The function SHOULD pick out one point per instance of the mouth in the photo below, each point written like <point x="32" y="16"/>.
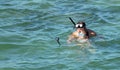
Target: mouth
<point x="80" y="29"/>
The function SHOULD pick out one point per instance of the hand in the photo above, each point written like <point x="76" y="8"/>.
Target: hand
<point x="68" y="41"/>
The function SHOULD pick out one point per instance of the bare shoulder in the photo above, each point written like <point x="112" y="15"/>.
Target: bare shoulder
<point x="74" y="34"/>
<point x="71" y="37"/>
<point x="91" y="32"/>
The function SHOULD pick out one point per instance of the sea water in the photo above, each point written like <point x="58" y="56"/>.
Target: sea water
<point x="28" y="29"/>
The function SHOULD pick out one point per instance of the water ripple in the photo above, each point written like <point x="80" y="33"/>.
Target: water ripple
<point x="29" y="28"/>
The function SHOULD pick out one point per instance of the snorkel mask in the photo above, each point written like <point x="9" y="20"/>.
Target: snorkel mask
<point x="80" y="25"/>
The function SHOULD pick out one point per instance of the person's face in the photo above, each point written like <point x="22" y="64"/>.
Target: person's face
<point x="80" y="29"/>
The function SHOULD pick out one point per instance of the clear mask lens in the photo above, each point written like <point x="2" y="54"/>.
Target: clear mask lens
<point x="79" y="25"/>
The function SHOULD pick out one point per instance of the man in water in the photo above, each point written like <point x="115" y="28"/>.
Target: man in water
<point x="82" y="34"/>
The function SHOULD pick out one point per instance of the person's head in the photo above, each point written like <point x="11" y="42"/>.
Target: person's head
<point x="80" y="25"/>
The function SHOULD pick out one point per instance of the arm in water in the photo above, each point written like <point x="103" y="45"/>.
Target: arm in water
<point x="58" y="40"/>
<point x="71" y="38"/>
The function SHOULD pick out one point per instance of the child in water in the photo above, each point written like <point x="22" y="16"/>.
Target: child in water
<point x="82" y="34"/>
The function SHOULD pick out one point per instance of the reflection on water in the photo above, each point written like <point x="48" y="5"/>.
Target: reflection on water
<point x="28" y="29"/>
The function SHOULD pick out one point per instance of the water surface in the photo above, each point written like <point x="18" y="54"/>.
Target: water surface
<point x="28" y="29"/>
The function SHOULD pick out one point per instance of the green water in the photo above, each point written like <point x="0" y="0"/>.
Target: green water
<point x="28" y="29"/>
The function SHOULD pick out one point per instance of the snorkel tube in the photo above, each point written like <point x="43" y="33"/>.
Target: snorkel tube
<point x="72" y="22"/>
